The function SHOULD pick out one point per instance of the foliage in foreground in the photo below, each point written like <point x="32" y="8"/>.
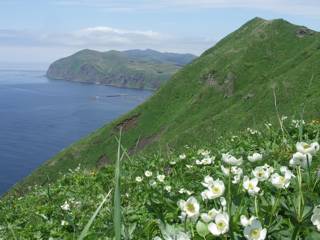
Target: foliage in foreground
<point x="256" y="185"/>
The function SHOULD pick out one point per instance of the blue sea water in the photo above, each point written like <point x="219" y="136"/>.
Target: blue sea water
<point x="40" y="117"/>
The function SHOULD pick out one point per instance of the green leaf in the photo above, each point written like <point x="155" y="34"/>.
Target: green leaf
<point x="202" y="229"/>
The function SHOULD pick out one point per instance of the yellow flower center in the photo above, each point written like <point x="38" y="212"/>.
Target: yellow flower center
<point x="251" y="186"/>
<point x="215" y="189"/>
<point x="255" y="233"/>
<point x="190" y="207"/>
<point x="221" y="225"/>
<point x="306" y="146"/>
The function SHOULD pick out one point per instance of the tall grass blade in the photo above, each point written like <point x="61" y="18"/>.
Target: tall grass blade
<point x="85" y="231"/>
<point x="117" y="203"/>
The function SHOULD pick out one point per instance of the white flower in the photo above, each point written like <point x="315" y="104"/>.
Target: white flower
<point x="64" y="223"/>
<point x="282" y="181"/>
<point x="315" y="218"/>
<point x="251" y="185"/>
<point x="300" y="159"/>
<point x="168" y="188"/>
<point x="261" y="173"/>
<point x="254" y="231"/>
<point x="65" y="206"/>
<point x="255" y="157"/>
<point x="215" y="188"/>
<point x="153" y="183"/>
<point x="161" y="177"/>
<point x="225" y="171"/>
<point x="148" y="173"/>
<point x="182" y="190"/>
<point x="207" y="160"/>
<point x="139" y="179"/>
<point x="229" y="159"/>
<point x="210" y="216"/>
<point x="182" y="156"/>
<point x="305" y="148"/>
<point x="173" y="163"/>
<point x="246" y="221"/>
<point x="189" y="166"/>
<point x="190" y="207"/>
<point x="220" y="225"/>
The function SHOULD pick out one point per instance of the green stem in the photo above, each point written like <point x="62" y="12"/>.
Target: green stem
<point x="295" y="232"/>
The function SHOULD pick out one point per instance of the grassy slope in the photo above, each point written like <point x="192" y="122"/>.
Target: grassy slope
<point x="38" y="215"/>
<point x="262" y="55"/>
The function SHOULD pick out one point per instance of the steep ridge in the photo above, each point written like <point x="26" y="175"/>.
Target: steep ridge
<point x="231" y="86"/>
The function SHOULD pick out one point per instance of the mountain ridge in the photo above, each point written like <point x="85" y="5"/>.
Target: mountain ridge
<point x="233" y="85"/>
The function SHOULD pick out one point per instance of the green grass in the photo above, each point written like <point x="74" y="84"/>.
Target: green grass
<point x="149" y="210"/>
<point x="264" y="57"/>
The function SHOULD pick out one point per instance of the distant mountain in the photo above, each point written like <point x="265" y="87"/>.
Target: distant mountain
<point x="144" y="69"/>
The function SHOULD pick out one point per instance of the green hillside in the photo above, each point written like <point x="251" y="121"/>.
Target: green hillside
<point x="230" y="87"/>
<point x="253" y="78"/>
<point x="146" y="69"/>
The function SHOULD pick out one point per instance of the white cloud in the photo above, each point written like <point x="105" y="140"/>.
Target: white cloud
<point x="291" y="7"/>
<point x="39" y="46"/>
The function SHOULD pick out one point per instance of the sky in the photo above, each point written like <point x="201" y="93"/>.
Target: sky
<point x="37" y="32"/>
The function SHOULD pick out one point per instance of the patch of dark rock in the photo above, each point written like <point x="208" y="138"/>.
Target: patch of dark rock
<point x="303" y="32"/>
<point x="103" y="161"/>
<point x="128" y="123"/>
<point x="144" y="142"/>
<point x="248" y="96"/>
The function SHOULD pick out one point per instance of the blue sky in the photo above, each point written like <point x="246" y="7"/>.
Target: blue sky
<point x="40" y="31"/>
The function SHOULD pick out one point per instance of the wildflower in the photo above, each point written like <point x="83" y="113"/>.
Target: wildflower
<point x="64" y="223"/>
<point x="189" y="166"/>
<point x="215" y="189"/>
<point x="182" y="156"/>
<point x="254" y="231"/>
<point x="300" y="159"/>
<point x="173" y="163"/>
<point x="306" y="148"/>
<point x="281" y="181"/>
<point x="203" y="152"/>
<point x="297" y="123"/>
<point x="255" y="157"/>
<point x="223" y="202"/>
<point x="225" y="171"/>
<point x="139" y="179"/>
<point x="315" y="218"/>
<point x="161" y="177"/>
<point x="229" y="159"/>
<point x="168" y="188"/>
<point x="190" y="208"/>
<point x="207" y="160"/>
<point x="148" y="173"/>
<point x="220" y="225"/>
<point x="182" y="190"/>
<point x="251" y="185"/>
<point x="153" y="183"/>
<point x="246" y="221"/>
<point x="261" y="173"/>
<point x="253" y="131"/>
<point x="65" y="206"/>
<point x="210" y="216"/>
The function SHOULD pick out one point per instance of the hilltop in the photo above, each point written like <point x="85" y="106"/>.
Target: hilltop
<point x="232" y="86"/>
<point x="143" y="69"/>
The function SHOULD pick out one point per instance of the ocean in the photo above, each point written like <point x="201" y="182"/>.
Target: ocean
<point x="40" y="117"/>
